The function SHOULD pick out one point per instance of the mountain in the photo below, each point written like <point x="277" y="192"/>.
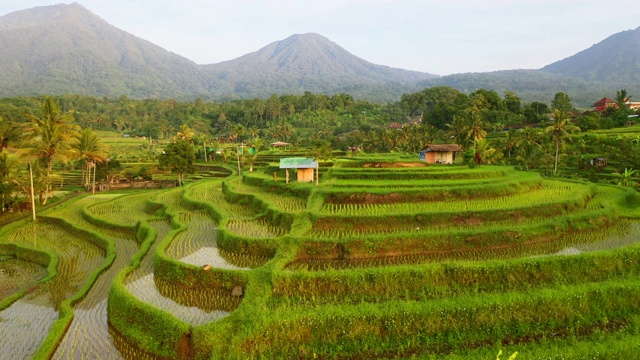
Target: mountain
<point x="68" y="49"/>
<point x="308" y="62"/>
<point x="614" y="60"/>
<point x="599" y="71"/>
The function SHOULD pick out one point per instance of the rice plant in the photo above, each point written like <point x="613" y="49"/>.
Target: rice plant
<point x="552" y="192"/>
<point x="256" y="228"/>
<point x="125" y="210"/>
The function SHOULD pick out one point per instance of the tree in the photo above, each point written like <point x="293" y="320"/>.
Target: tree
<point x="487" y="153"/>
<point x="185" y="133"/>
<point x="621" y="99"/>
<point x="49" y="138"/>
<point x="475" y="126"/>
<point x="559" y="131"/>
<point x="6" y="186"/>
<point x="458" y="130"/>
<point x="510" y="141"/>
<point x="179" y="156"/>
<point x="512" y="102"/>
<point x="9" y="133"/>
<point x="91" y="150"/>
<point x="562" y="102"/>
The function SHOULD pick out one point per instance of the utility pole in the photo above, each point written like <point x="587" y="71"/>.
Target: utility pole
<point x="238" y="155"/>
<point x="33" y="201"/>
<point x="93" y="191"/>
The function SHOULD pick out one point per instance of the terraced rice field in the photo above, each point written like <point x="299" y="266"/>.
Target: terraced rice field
<point x="78" y="259"/>
<point x="88" y="334"/>
<point x="426" y="262"/>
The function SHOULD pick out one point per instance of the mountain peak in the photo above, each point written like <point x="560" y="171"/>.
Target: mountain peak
<point x="41" y="15"/>
<point x="309" y="62"/>
<point x="614" y="59"/>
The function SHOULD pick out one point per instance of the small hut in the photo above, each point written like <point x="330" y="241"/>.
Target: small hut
<point x="304" y="166"/>
<point x="599" y="162"/>
<point x="440" y="153"/>
<point x="280" y="145"/>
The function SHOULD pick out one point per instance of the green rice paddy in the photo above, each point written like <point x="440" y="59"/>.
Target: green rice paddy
<point x="375" y="262"/>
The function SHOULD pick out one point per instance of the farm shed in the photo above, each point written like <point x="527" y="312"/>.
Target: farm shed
<point x="440" y="153"/>
<point x="599" y="162"/>
<point x="280" y="145"/>
<point x="304" y="166"/>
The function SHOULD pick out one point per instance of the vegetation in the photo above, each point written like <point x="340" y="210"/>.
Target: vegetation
<point x="400" y="257"/>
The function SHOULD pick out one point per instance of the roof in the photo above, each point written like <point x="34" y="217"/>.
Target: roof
<point x="442" y="148"/>
<point x="298" y="163"/>
<point x="280" y="143"/>
<point x="604" y="102"/>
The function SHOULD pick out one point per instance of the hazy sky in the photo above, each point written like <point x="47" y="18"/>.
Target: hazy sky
<point x="440" y="37"/>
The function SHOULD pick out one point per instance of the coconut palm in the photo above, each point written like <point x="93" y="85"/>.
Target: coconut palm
<point x="622" y="98"/>
<point x="487" y="153"/>
<point x="559" y="131"/>
<point x="9" y="133"/>
<point x="49" y="138"/>
<point x="89" y="148"/>
<point x="510" y="141"/>
<point x="185" y="133"/>
<point x="475" y="126"/>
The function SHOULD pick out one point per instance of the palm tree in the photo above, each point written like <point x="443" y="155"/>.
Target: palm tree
<point x="510" y="141"/>
<point x="531" y="157"/>
<point x="487" y="153"/>
<point x="49" y="138"/>
<point x="621" y="99"/>
<point x="9" y="133"/>
<point x="560" y="130"/>
<point x="458" y="130"/>
<point x="185" y="133"/>
<point x="475" y="126"/>
<point x="90" y="149"/>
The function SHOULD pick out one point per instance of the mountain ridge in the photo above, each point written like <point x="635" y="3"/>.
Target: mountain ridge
<point x="64" y="48"/>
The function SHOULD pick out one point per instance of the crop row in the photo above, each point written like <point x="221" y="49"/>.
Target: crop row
<point x="413" y="183"/>
<point x="211" y="192"/>
<point x="449" y="244"/>
<point x="285" y="203"/>
<point x="551" y="192"/>
<point x="408" y="328"/>
<point x="124" y="210"/>
<point x="420" y="173"/>
<point x="614" y="251"/>
<point x="255" y="228"/>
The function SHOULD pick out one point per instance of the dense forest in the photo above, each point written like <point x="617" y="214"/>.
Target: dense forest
<point x="305" y="119"/>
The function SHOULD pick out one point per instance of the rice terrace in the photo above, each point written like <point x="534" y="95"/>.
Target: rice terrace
<point x="381" y="259"/>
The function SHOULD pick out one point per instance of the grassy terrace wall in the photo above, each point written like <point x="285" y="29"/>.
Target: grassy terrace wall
<point x="151" y="329"/>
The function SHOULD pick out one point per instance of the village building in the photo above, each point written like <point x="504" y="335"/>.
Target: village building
<point x="604" y="103"/>
<point x="440" y="153"/>
<point x="304" y="166"/>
